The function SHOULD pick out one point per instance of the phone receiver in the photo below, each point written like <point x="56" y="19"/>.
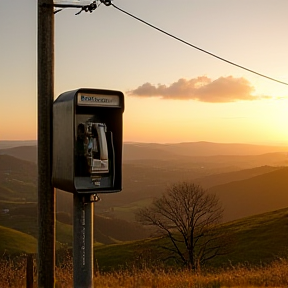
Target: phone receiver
<point x="105" y="165"/>
<point x="101" y="129"/>
<point x="111" y="153"/>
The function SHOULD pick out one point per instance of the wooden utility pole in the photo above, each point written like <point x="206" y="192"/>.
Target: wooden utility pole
<point x="46" y="193"/>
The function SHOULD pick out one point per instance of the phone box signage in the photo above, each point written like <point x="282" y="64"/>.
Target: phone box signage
<point x="98" y="100"/>
<point x="87" y="141"/>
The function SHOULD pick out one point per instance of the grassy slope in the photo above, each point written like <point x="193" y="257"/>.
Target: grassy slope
<point x="23" y="218"/>
<point x="18" y="180"/>
<point x="15" y="242"/>
<point x="257" y="239"/>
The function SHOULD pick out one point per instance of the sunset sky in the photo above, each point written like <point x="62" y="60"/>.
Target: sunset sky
<point x="173" y="92"/>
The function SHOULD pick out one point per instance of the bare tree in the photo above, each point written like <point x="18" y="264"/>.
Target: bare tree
<point x="190" y="218"/>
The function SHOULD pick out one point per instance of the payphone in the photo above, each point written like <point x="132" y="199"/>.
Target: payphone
<point x="87" y="141"/>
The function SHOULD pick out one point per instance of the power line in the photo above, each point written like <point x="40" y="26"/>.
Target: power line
<point x="193" y="46"/>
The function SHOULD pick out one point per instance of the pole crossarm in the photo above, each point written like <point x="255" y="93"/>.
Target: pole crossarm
<point x="87" y="8"/>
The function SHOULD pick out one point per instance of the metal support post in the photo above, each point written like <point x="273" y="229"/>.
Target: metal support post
<point x="82" y="242"/>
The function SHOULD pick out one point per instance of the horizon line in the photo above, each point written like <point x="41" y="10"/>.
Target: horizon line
<point x="175" y="143"/>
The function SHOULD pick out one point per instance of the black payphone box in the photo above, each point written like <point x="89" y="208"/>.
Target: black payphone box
<point x="87" y="141"/>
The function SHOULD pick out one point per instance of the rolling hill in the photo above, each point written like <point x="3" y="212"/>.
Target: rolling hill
<point x="133" y="151"/>
<point x="222" y="178"/>
<point x="143" y="185"/>
<point x="244" y="188"/>
<point x="16" y="242"/>
<point x="249" y="179"/>
<point x="254" y="195"/>
<point x="27" y="150"/>
<point x="6" y="144"/>
<point x="28" y="153"/>
<point x="258" y="240"/>
<point x="145" y="179"/>
<point x="23" y="218"/>
<point x="18" y="179"/>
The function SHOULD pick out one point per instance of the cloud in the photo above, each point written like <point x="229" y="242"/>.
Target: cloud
<point x="221" y="90"/>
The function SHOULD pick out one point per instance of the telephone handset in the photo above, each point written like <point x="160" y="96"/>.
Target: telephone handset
<point x="96" y="151"/>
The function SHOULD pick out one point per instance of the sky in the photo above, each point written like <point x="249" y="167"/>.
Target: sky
<point x="173" y="92"/>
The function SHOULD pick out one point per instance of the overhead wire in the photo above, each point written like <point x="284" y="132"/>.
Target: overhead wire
<point x="193" y="46"/>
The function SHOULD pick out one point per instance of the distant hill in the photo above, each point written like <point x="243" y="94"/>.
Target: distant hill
<point x="255" y="195"/>
<point x="28" y="153"/>
<point x="244" y="193"/>
<point x="145" y="177"/>
<point x="222" y="178"/>
<point x="12" y="166"/>
<point x="18" y="179"/>
<point x="4" y="144"/>
<point x="153" y="151"/>
<point x="134" y="151"/>
<point x="144" y="185"/>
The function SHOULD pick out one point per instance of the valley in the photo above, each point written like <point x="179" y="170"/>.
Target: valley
<point x="252" y="188"/>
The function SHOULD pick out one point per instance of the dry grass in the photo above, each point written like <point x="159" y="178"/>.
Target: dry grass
<point x="273" y="275"/>
<point x="12" y="272"/>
